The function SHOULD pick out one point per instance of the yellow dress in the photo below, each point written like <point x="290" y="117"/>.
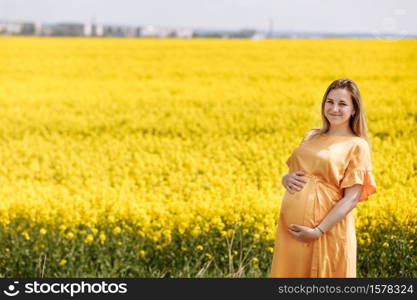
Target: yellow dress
<point x="331" y="163"/>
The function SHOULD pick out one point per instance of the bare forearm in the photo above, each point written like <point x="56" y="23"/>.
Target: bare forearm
<point x="337" y="213"/>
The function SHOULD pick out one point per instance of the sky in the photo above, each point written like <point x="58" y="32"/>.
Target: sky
<point x="328" y="16"/>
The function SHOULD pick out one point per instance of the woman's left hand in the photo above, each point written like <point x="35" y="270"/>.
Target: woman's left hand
<point x="304" y="233"/>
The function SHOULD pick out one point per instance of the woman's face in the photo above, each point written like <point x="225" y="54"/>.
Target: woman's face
<point x="338" y="106"/>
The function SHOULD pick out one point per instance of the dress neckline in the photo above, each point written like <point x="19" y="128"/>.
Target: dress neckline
<point x="340" y="136"/>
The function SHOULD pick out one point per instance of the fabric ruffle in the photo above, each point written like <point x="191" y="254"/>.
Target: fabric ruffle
<point x="360" y="176"/>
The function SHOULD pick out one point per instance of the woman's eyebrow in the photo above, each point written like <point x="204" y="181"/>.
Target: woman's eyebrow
<point x="339" y="101"/>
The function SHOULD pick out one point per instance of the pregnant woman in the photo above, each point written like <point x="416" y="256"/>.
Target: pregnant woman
<point x="329" y="173"/>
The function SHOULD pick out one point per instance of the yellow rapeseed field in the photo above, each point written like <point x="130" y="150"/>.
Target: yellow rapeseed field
<point x="129" y="157"/>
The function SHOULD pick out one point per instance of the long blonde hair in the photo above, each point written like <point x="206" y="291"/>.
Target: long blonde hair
<point x="357" y="123"/>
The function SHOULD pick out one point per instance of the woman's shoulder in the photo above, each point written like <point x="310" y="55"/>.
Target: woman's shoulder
<point x="311" y="134"/>
<point x="359" y="146"/>
<point x="361" y="142"/>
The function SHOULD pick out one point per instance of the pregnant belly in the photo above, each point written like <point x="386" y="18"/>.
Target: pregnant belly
<point x="295" y="206"/>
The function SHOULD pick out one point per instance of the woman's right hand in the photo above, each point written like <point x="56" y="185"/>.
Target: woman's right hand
<point x="294" y="182"/>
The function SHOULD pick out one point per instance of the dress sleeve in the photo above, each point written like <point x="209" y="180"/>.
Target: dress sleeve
<point x="359" y="171"/>
<point x="305" y="138"/>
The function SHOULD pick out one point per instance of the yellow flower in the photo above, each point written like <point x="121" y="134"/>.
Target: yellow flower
<point x="385" y="244"/>
<point x="196" y="231"/>
<point x="235" y="252"/>
<point x="142" y="253"/>
<point x="63" y="262"/>
<point x="69" y="235"/>
<point x="184" y="248"/>
<point x="102" y="237"/>
<point x="119" y="243"/>
<point x="26" y="235"/>
<point x="255" y="260"/>
<point x="208" y="255"/>
<point x="89" y="238"/>
<point x="199" y="247"/>
<point x="42" y="231"/>
<point x="270" y="249"/>
<point x="117" y="230"/>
